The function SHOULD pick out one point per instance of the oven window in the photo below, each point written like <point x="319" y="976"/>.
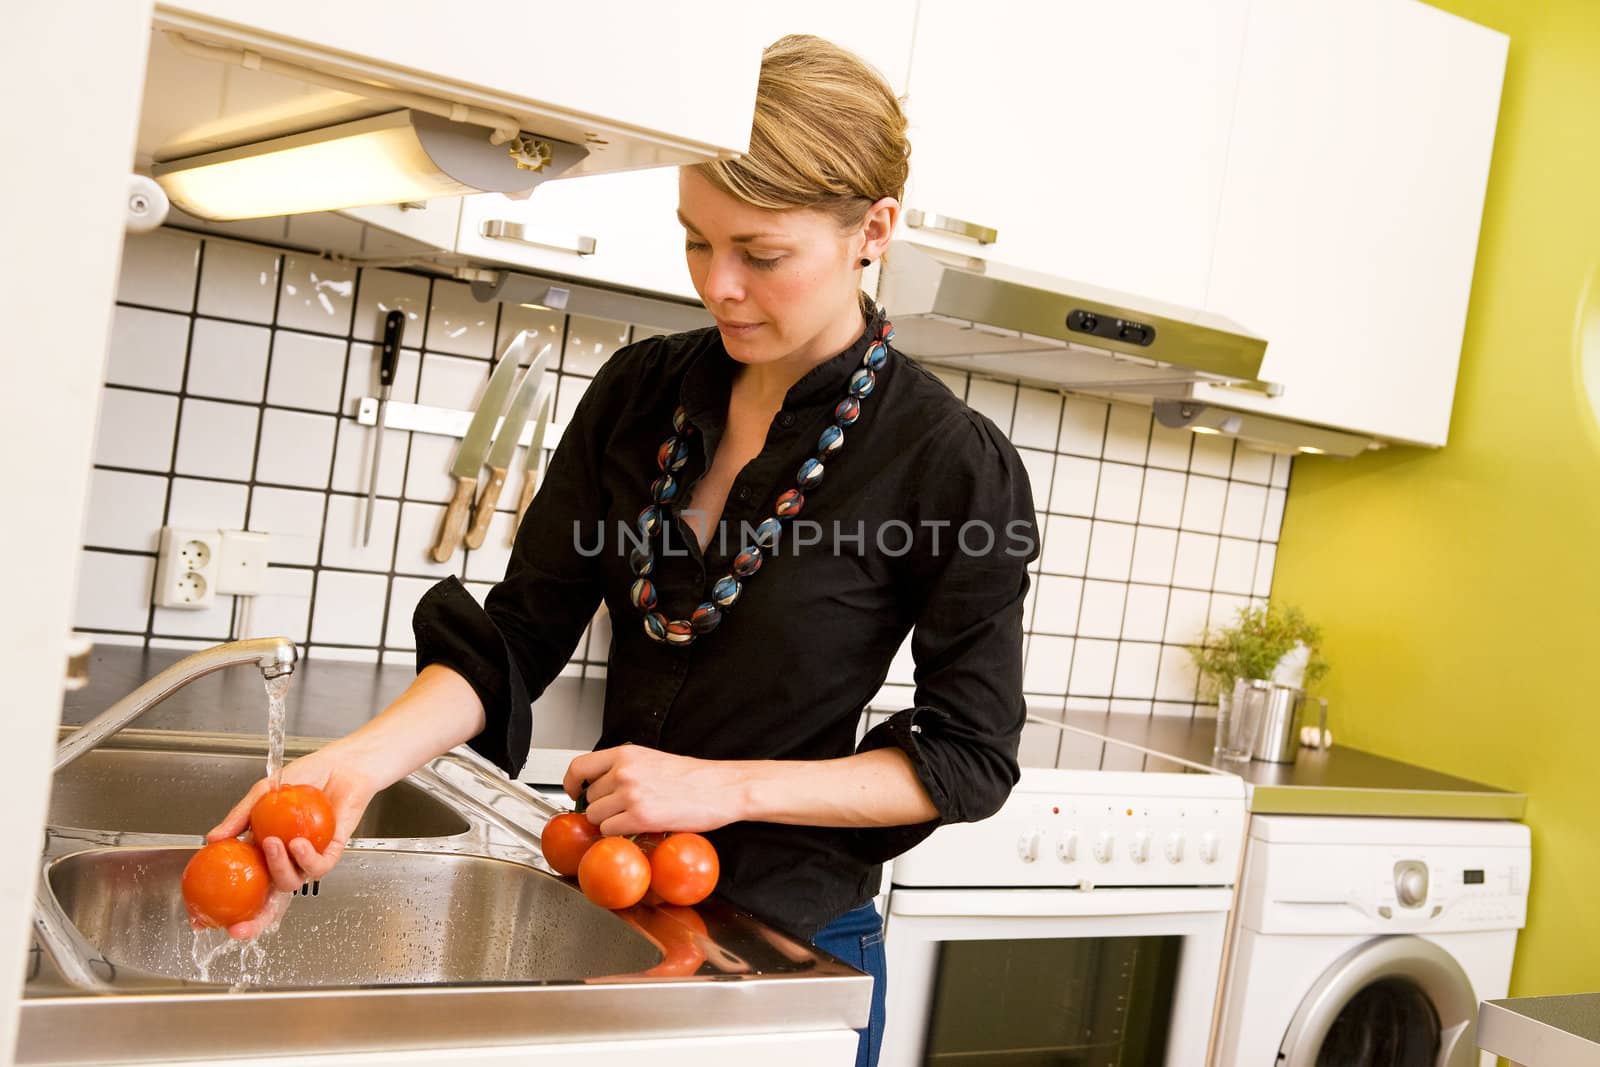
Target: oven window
<point x="1390" y="1023"/>
<point x="1053" y="1002"/>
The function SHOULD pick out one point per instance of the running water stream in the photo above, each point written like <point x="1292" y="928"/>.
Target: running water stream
<point x="210" y="948"/>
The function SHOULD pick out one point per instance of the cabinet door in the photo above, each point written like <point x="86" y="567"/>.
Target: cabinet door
<point x="1350" y="215"/>
<point x="879" y="32"/>
<point x="1091" y="135"/>
<point x="684" y="82"/>
<point x="630" y="218"/>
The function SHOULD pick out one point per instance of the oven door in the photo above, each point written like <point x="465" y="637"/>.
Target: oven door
<point x="1057" y="977"/>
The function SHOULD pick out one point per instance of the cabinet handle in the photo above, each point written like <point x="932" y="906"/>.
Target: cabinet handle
<point x="506" y="230"/>
<point x="984" y="235"/>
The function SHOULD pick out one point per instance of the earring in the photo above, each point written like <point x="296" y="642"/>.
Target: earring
<point x="865" y="262"/>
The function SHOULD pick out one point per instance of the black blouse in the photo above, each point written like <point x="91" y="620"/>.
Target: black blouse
<point x="924" y="519"/>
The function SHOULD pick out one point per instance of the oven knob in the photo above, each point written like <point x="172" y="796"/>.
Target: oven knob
<point x="1067" y="847"/>
<point x="1139" y="851"/>
<point x="1175" y="847"/>
<point x="1028" y="846"/>
<point x="1103" y="846"/>
<point x="1209" y="846"/>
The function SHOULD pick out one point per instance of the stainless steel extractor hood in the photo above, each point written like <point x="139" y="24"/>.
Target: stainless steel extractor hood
<point x="970" y="313"/>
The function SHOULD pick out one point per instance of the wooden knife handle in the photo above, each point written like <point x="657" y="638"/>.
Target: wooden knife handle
<point x="483" y="512"/>
<point x="455" y="520"/>
<point x="530" y="485"/>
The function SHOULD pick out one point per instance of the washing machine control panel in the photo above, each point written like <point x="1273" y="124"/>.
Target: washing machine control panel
<point x="1084" y="840"/>
<point x="1346" y="886"/>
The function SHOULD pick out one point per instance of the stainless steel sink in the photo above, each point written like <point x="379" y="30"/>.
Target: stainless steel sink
<point x="442" y="928"/>
<point x="381" y="918"/>
<point x="155" y="791"/>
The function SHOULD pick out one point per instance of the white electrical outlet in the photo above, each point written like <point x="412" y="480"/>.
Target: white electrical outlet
<point x="186" y="570"/>
<point x="242" y="563"/>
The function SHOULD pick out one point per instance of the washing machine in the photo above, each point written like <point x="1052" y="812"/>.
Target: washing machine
<point x="1370" y="942"/>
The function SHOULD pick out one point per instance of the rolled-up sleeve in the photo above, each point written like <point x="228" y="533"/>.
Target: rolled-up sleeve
<point x="510" y="649"/>
<point x="976" y="535"/>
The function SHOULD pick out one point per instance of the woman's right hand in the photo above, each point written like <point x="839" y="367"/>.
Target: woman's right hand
<point x="349" y="789"/>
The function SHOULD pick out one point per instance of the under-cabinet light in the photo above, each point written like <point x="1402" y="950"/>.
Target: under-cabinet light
<point x="386" y="159"/>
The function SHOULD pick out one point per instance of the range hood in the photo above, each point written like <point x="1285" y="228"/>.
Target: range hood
<point x="977" y="315"/>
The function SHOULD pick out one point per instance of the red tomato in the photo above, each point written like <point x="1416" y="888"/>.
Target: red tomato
<point x="565" y="839"/>
<point x="293" y="811"/>
<point x="614" y="873"/>
<point x="684" y="869"/>
<point x="226" y="882"/>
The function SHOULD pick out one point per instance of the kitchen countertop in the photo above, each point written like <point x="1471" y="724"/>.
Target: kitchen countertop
<point x="329" y="698"/>
<point x="1543" y="1031"/>
<point x="1336" y="781"/>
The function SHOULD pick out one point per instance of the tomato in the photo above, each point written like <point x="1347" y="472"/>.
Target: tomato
<point x="565" y="840"/>
<point x="293" y="811"/>
<point x="684" y="869"/>
<point x="226" y="882"/>
<point x="614" y="873"/>
<point x="647" y="842"/>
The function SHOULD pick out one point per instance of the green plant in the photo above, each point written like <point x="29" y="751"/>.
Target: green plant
<point x="1254" y="644"/>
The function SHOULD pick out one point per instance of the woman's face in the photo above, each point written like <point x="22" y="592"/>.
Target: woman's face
<point x="780" y="283"/>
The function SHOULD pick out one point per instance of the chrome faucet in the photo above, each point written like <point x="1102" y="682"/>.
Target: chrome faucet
<point x="275" y="656"/>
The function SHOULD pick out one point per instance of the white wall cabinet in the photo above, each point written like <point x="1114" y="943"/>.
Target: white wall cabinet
<point x="1349" y="220"/>
<point x="645" y="73"/>
<point x="1092" y="136"/>
<point x="631" y="217"/>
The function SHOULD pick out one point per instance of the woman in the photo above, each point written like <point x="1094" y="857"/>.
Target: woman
<point x="755" y="610"/>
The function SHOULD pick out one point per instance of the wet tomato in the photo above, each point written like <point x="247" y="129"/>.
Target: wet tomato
<point x="226" y="882"/>
<point x="614" y="873"/>
<point x="565" y="840"/>
<point x="293" y="811"/>
<point x="684" y="869"/>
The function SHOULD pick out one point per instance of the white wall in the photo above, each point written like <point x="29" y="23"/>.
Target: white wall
<point x="71" y="71"/>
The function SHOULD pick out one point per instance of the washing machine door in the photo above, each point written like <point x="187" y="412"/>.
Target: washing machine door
<point x="1390" y="1002"/>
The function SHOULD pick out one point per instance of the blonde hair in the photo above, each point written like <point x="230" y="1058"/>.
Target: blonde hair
<point x="829" y="134"/>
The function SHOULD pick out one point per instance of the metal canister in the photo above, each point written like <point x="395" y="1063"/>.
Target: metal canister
<point x="1278" y="738"/>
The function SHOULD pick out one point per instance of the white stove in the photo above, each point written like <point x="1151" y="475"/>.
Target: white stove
<point x="1084" y="921"/>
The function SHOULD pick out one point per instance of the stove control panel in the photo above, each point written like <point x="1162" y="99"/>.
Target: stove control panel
<point x="1086" y="839"/>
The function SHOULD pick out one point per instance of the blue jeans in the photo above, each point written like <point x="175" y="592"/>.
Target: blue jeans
<point x="856" y="937"/>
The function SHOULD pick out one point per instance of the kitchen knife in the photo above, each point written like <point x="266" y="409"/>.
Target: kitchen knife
<point x="505" y="443"/>
<point x="474" y="446"/>
<point x="394" y="326"/>
<point x="533" y="468"/>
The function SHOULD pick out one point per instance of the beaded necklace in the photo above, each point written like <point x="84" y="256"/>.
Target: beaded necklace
<point x="670" y="458"/>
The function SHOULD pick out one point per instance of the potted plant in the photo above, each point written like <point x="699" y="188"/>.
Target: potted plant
<point x="1252" y="648"/>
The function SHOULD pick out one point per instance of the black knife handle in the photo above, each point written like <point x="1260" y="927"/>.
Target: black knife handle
<point x="394" y="327"/>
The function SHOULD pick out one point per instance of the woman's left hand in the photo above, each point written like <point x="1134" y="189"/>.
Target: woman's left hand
<point x="636" y="790"/>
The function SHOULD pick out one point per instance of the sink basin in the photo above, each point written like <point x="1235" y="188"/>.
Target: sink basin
<point x="150" y="791"/>
<point x="381" y="918"/>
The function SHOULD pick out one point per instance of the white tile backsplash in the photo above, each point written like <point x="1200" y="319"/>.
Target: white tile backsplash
<point x="318" y="296"/>
<point x="147" y="348"/>
<point x="159" y="269"/>
<point x="239" y="281"/>
<point x="135" y="430"/>
<point x="228" y="360"/>
<point x="307" y="371"/>
<point x="217" y="440"/>
<point x="203" y="503"/>
<point x="296" y="448"/>
<point x="458" y="323"/>
<point x="1083" y="427"/>
<point x="236" y="412"/>
<point x="124" y="510"/>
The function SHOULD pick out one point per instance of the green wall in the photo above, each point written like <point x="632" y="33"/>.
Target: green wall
<point x="1460" y="588"/>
